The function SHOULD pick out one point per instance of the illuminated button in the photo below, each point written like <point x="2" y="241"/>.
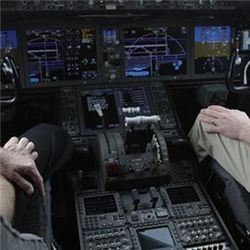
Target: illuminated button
<point x="218" y="234"/>
<point x="205" y="231"/>
<point x="203" y="237"/>
<point x="206" y="221"/>
<point x="183" y="224"/>
<point x="211" y="220"/>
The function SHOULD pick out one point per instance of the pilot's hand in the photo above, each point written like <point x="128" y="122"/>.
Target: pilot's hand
<point x="228" y="122"/>
<point x="18" y="165"/>
<point x="22" y="146"/>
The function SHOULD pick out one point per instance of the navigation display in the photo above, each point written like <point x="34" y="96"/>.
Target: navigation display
<point x="155" y="51"/>
<point x="61" y="55"/>
<point x="155" y="238"/>
<point x="212" y="49"/>
<point x="8" y="39"/>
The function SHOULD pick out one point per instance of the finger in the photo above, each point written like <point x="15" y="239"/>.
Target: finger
<point x="22" y="183"/>
<point x="10" y="142"/>
<point x="211" y="113"/>
<point x="23" y="142"/>
<point x="34" y="155"/>
<point x="218" y="108"/>
<point x="208" y="119"/>
<point x="36" y="178"/>
<point x="30" y="147"/>
<point x="212" y="129"/>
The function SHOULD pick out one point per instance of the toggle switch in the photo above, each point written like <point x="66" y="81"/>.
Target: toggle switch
<point x="154" y="196"/>
<point x="136" y="198"/>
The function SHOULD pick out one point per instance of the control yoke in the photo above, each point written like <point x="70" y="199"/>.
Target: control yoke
<point x="236" y="60"/>
<point x="9" y="81"/>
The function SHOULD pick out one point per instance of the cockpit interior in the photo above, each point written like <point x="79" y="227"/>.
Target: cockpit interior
<point x="126" y="80"/>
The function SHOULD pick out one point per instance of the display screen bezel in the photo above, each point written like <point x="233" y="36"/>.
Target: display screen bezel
<point x="157" y="228"/>
<point x="208" y="76"/>
<point x="154" y="26"/>
<point x="57" y="25"/>
<point x="182" y="192"/>
<point x="190" y="77"/>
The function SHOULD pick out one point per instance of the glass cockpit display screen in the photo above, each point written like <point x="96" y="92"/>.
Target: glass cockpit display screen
<point x="182" y="195"/>
<point x="100" y="205"/>
<point x="155" y="238"/>
<point x="8" y="39"/>
<point x="106" y="99"/>
<point x="212" y="48"/>
<point x="155" y="51"/>
<point x="115" y="103"/>
<point x="61" y="54"/>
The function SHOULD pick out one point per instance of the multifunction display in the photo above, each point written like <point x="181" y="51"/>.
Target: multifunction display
<point x="106" y="101"/>
<point x="61" y="54"/>
<point x="183" y="195"/>
<point x="8" y="39"/>
<point x="115" y="104"/>
<point x="212" y="49"/>
<point x="100" y="205"/>
<point x="155" y="238"/>
<point x="155" y="51"/>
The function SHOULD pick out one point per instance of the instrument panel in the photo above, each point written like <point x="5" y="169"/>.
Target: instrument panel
<point x="92" y="54"/>
<point x="79" y="115"/>
<point x="146" y="219"/>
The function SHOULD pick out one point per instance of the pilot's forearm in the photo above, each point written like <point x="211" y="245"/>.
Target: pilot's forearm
<point x="7" y="199"/>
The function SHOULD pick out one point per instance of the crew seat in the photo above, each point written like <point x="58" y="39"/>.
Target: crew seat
<point x="231" y="198"/>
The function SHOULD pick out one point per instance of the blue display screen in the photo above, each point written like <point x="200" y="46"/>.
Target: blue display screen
<point x="8" y="39"/>
<point x="212" y="48"/>
<point x="155" y="238"/>
<point x="61" y="54"/>
<point x="213" y="34"/>
<point x="155" y="51"/>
